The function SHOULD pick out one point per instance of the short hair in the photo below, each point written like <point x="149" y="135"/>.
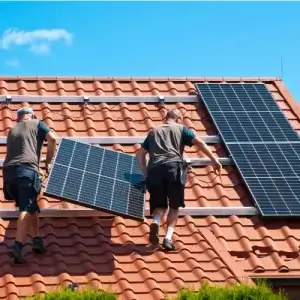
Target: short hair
<point x="24" y="110"/>
<point x="174" y="114"/>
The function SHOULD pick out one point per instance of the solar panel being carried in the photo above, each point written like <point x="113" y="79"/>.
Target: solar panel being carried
<point x="261" y="141"/>
<point x="97" y="178"/>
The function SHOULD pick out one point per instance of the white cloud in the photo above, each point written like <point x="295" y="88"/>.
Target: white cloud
<point x="40" y="48"/>
<point x="15" y="63"/>
<point x="38" y="41"/>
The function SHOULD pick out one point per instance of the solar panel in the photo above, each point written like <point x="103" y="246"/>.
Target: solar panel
<point x="97" y="178"/>
<point x="267" y="160"/>
<point x="246" y="113"/>
<point x="261" y="142"/>
<point x="272" y="174"/>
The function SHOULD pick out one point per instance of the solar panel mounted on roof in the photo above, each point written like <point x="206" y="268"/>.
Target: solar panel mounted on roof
<point x="97" y="178"/>
<point x="261" y="141"/>
<point x="246" y="113"/>
<point x="272" y="174"/>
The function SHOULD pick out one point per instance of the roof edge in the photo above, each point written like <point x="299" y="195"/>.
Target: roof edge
<point x="162" y="78"/>
<point x="295" y="107"/>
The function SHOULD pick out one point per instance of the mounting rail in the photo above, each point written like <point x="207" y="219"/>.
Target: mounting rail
<point x="195" y="162"/>
<point x="85" y="212"/>
<point x="98" y="99"/>
<point x="123" y="140"/>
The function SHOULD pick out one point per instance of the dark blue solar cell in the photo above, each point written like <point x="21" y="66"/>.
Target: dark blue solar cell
<point x="292" y="155"/>
<point x="56" y="180"/>
<point x="120" y="197"/>
<point x="214" y="97"/>
<point x="80" y="156"/>
<point x="88" y="188"/>
<point x="95" y="160"/>
<point x="136" y="200"/>
<point x="124" y="167"/>
<point x="294" y="186"/>
<point x="280" y="121"/>
<point x="72" y="185"/>
<point x="267" y="197"/>
<point x="110" y="161"/>
<point x="64" y="152"/>
<point x="104" y="193"/>
<point x="263" y="97"/>
<point x="233" y="100"/>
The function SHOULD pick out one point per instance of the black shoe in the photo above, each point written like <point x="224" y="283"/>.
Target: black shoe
<point x="153" y="235"/>
<point x="16" y="253"/>
<point x="168" y="245"/>
<point x="38" y="246"/>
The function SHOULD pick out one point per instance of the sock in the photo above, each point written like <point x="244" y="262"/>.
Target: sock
<point x="170" y="231"/>
<point x="19" y="245"/>
<point x="156" y="219"/>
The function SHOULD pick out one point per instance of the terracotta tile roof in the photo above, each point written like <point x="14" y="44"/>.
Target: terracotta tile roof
<point x="114" y="252"/>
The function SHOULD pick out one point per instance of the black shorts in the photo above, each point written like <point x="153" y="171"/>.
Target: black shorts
<point x="165" y="184"/>
<point x="23" y="186"/>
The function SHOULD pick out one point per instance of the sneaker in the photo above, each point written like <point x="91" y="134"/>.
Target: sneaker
<point x="16" y="253"/>
<point x="153" y="235"/>
<point x="168" y="245"/>
<point x="38" y="246"/>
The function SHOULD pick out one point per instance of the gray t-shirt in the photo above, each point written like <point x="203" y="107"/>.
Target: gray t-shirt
<point x="24" y="143"/>
<point x="165" y="143"/>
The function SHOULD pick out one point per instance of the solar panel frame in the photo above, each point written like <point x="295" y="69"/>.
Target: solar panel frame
<point x="266" y="208"/>
<point x="88" y="172"/>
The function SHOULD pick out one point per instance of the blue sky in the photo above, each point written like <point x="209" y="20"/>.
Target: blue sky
<point x="151" y="39"/>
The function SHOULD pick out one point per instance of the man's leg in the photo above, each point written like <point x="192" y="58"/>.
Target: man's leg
<point x="28" y="222"/>
<point x="158" y="214"/>
<point x="158" y="202"/>
<point x="37" y="243"/>
<point x="171" y="224"/>
<point x="22" y="228"/>
<point x="175" y="192"/>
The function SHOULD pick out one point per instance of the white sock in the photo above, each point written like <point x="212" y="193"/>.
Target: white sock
<point x="156" y="219"/>
<point x="170" y="231"/>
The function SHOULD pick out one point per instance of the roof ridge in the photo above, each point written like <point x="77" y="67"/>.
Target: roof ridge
<point x="139" y="78"/>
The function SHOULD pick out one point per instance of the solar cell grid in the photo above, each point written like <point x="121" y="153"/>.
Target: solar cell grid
<point x="267" y="160"/>
<point x="237" y="97"/>
<point x="98" y="178"/>
<point x="278" y="196"/>
<point x="253" y="127"/>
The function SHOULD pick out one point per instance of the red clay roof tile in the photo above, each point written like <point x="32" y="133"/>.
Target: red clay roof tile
<point x="114" y="253"/>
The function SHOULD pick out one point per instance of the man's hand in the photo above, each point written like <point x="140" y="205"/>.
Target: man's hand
<point x="217" y="166"/>
<point x="47" y="165"/>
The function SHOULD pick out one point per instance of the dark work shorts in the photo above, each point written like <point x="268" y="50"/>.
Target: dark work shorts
<point x="22" y="185"/>
<point x="166" y="184"/>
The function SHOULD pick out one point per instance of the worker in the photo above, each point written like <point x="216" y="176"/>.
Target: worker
<point x="165" y="173"/>
<point x="22" y="179"/>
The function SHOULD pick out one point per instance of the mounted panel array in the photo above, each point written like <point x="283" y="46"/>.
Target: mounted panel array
<point x="261" y="141"/>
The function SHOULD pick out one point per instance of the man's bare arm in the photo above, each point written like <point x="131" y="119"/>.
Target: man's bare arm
<point x="141" y="158"/>
<point x="51" y="146"/>
<point x="204" y="148"/>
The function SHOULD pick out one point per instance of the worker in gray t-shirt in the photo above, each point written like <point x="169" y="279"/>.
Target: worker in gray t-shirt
<point x="21" y="176"/>
<point x="165" y="173"/>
